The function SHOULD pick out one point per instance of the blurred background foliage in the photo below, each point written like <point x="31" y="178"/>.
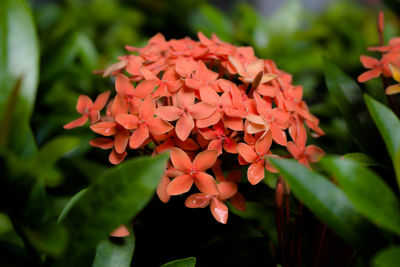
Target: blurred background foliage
<point x="77" y="37"/>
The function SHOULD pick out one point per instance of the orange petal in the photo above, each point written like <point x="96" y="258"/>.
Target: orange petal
<point x="237" y="65"/>
<point x="147" y="108"/>
<point x="208" y="95"/>
<point x="233" y="123"/>
<point x="294" y="149"/>
<point x="278" y="134"/>
<point x="101" y="101"/>
<point x="255" y="119"/>
<point x="183" y="66"/>
<point x="180" y="185"/>
<point x="168" y="113"/>
<point x="84" y="104"/>
<point x="256" y="128"/>
<point x="123" y="85"/>
<point x="128" y="121"/>
<point x="219" y="210"/>
<point x="158" y="126"/>
<point x="216" y="144"/>
<point x="206" y="183"/>
<point x="201" y="110"/>
<point x="280" y="115"/>
<point x="369" y="62"/>
<point x="145" y="88"/>
<point x="205" y="160"/>
<point x="76" y="123"/>
<point x="116" y="158"/>
<point x="255" y="172"/>
<point x="368" y="75"/>
<point x="121" y="140"/>
<point x="266" y="90"/>
<point x="162" y="189"/>
<point x="115" y="67"/>
<point x="238" y="202"/>
<point x="230" y="145"/>
<point x="391" y="90"/>
<point x="139" y="136"/>
<point x="264" y="144"/>
<point x="180" y="160"/>
<point x="103" y="143"/>
<point x="211" y="120"/>
<point x="184" y="126"/>
<point x="119" y="106"/>
<point x="120" y="231"/>
<point x="227" y="189"/>
<point x="198" y="200"/>
<point x="314" y="153"/>
<point x="106" y="128"/>
<point x="185" y="98"/>
<point x="246" y="152"/>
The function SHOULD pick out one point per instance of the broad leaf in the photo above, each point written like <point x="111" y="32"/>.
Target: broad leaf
<point x="362" y="159"/>
<point x="115" y="252"/>
<point x="389" y="257"/>
<point x="367" y="191"/>
<point x="53" y="150"/>
<point x="188" y="262"/>
<point x="323" y="198"/>
<point x="112" y="200"/>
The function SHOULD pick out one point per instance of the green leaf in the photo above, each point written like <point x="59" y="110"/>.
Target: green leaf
<point x="19" y="58"/>
<point x="115" y="252"/>
<point x="70" y="204"/>
<point x="366" y="190"/>
<point x="386" y="122"/>
<point x="188" y="262"/>
<point x="56" y="148"/>
<point x="113" y="199"/>
<point x="323" y="198"/>
<point x="389" y="257"/>
<point x="347" y="94"/>
<point x="362" y="159"/>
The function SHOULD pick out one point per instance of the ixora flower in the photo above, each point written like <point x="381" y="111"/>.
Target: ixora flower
<point x="206" y="102"/>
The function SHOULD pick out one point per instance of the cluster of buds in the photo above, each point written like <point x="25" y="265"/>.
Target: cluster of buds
<point x="389" y="63"/>
<point x="214" y="106"/>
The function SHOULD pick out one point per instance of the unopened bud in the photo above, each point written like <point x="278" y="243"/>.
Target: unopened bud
<point x="381" y="22"/>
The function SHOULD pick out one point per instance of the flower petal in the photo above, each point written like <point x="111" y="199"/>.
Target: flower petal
<point x="278" y="134"/>
<point x="206" y="183"/>
<point x="246" y="152"/>
<point x="211" y="120"/>
<point x="198" y="200"/>
<point x="369" y="62"/>
<point x="103" y="143"/>
<point x="139" y="136"/>
<point x="201" y="110"/>
<point x="391" y="90"/>
<point x="121" y="139"/>
<point x="101" y="101"/>
<point x="227" y="189"/>
<point x="84" y="104"/>
<point x="314" y="153"/>
<point x="368" y="75"/>
<point x="158" y="126"/>
<point x="185" y="98"/>
<point x="147" y="108"/>
<point x="219" y="210"/>
<point x="294" y="149"/>
<point x="106" y="128"/>
<point x="123" y="85"/>
<point x="168" y="113"/>
<point x="128" y="121"/>
<point x="180" y="185"/>
<point x="162" y="189"/>
<point x="116" y="158"/>
<point x="208" y="95"/>
<point x="118" y="106"/>
<point x="120" y="232"/>
<point x="145" y="88"/>
<point x="255" y="172"/>
<point x="184" y="126"/>
<point x="264" y="144"/>
<point x="180" y="160"/>
<point x="205" y="160"/>
<point x="76" y="123"/>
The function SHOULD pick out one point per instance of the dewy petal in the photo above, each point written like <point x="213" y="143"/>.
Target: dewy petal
<point x="219" y="210"/>
<point x="184" y="127"/>
<point x="116" y="158"/>
<point x="198" y="200"/>
<point x="138" y="137"/>
<point x="101" y="101"/>
<point x="314" y="153"/>
<point x="180" y="160"/>
<point x="121" y="139"/>
<point x="84" y="104"/>
<point x="255" y="172"/>
<point x="158" y="126"/>
<point x="76" y="123"/>
<point x="368" y="75"/>
<point x="162" y="189"/>
<point x="205" y="160"/>
<point x="201" y="110"/>
<point x="145" y="88"/>
<point x="106" y="128"/>
<point x="278" y="134"/>
<point x="180" y="185"/>
<point x="227" y="189"/>
<point x="123" y="85"/>
<point x="206" y="183"/>
<point x="246" y="152"/>
<point x="147" y="108"/>
<point x="168" y="113"/>
<point x="391" y="90"/>
<point x="128" y="121"/>
<point x="103" y="143"/>
<point x="120" y="232"/>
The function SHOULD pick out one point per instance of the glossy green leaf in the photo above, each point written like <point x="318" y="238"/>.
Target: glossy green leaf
<point x="115" y="252"/>
<point x="323" y="198"/>
<point x="188" y="262"/>
<point x="387" y="122"/>
<point x="389" y="257"/>
<point x="367" y="191"/>
<point x="113" y="199"/>
<point x="70" y="204"/>
<point x="56" y="148"/>
<point x="346" y="94"/>
<point x="362" y="159"/>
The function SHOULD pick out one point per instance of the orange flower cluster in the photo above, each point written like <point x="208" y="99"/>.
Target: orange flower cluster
<point x="207" y="102"/>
